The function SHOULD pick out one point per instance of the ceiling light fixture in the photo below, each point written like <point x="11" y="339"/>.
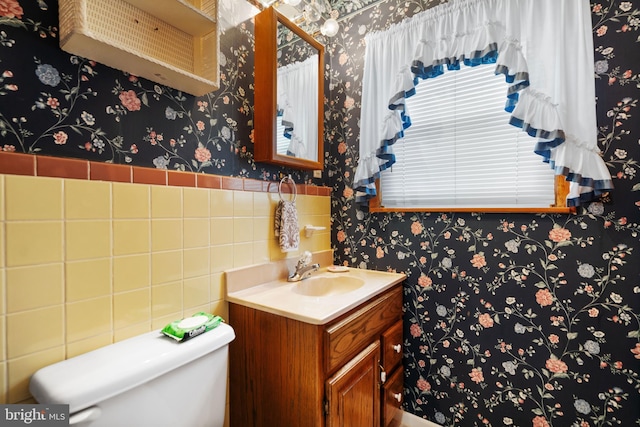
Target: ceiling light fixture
<point x="308" y="14"/>
<point x="330" y="27"/>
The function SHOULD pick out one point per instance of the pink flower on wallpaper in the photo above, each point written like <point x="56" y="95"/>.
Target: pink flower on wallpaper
<point x="349" y="102"/>
<point x="544" y="297"/>
<point x="425" y="281"/>
<point x="130" y="100"/>
<point x="476" y="375"/>
<point x="478" y="261"/>
<point x="636" y="351"/>
<point x="423" y="385"/>
<point x="416" y="228"/>
<point x="347" y="192"/>
<point x="53" y="102"/>
<point x="540" y="421"/>
<point x="341" y="236"/>
<point x="60" y="137"/>
<point x="415" y="330"/>
<point x="485" y="320"/>
<point x="11" y="9"/>
<point x="601" y="31"/>
<point x="200" y="125"/>
<point x="556" y="366"/>
<point x="379" y="252"/>
<point x="202" y="154"/>
<point x="342" y="148"/>
<point x="559" y="234"/>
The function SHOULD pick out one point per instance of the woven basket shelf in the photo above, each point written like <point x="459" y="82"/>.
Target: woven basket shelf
<point x="171" y="42"/>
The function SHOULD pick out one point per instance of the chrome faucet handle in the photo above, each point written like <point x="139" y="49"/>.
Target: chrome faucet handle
<point x="304" y="260"/>
<point x="302" y="272"/>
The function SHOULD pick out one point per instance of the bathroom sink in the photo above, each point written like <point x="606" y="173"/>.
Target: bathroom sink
<point x="321" y="286"/>
<point x="324" y="296"/>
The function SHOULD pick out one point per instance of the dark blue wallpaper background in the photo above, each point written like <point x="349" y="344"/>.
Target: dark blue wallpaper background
<point x="510" y="319"/>
<point x="58" y="104"/>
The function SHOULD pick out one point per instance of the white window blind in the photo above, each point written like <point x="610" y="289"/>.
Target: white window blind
<point x="460" y="150"/>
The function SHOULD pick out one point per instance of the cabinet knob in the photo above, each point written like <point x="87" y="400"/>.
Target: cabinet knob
<point x="397" y="348"/>
<point x="398" y="397"/>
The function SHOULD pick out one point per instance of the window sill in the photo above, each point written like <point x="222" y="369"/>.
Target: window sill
<point x="549" y="210"/>
<point x="561" y="192"/>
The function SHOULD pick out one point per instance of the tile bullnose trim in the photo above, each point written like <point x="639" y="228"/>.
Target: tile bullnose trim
<point x="13" y="163"/>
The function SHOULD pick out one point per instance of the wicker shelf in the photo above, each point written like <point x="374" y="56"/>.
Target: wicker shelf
<point x="192" y="17"/>
<point x="175" y="45"/>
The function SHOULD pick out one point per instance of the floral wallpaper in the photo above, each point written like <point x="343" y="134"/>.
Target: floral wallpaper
<point x="510" y="319"/>
<point x="58" y="104"/>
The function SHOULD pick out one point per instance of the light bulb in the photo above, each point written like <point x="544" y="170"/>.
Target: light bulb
<point x="292" y="2"/>
<point x="312" y="12"/>
<point x="330" y="27"/>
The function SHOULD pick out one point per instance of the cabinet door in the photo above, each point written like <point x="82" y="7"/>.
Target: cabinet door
<point x="353" y="393"/>
<point x="392" y="399"/>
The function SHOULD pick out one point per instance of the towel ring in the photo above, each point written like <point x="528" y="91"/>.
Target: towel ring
<point x="293" y="184"/>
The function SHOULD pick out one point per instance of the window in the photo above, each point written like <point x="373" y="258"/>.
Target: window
<point x="460" y="150"/>
<point x="548" y="68"/>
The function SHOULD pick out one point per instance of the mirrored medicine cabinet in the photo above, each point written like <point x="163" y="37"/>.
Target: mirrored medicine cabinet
<point x="289" y="94"/>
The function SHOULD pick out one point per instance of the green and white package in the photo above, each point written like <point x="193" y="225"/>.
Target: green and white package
<point x="189" y="327"/>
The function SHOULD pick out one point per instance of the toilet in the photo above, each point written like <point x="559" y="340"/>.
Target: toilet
<point x="148" y="380"/>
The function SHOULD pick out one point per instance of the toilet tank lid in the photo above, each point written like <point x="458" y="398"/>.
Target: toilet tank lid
<point x="95" y="376"/>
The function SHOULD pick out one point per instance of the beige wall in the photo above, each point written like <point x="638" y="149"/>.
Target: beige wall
<point x="87" y="263"/>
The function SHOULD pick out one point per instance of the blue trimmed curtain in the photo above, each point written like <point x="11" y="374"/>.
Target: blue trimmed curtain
<point x="544" y="49"/>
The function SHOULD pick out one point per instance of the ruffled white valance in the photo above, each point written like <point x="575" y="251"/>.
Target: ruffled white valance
<point x="544" y="48"/>
<point x="299" y="110"/>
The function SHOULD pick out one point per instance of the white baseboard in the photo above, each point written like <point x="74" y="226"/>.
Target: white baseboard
<point x="410" y="420"/>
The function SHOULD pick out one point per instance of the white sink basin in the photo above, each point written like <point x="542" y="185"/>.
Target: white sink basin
<point x="323" y="286"/>
<point x="318" y="299"/>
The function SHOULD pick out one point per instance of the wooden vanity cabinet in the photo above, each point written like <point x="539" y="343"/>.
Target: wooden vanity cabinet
<point x="284" y="372"/>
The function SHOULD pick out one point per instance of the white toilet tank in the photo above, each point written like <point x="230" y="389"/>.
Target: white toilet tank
<point x="148" y="380"/>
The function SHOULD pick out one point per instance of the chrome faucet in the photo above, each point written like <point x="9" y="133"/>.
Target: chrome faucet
<point x="304" y="268"/>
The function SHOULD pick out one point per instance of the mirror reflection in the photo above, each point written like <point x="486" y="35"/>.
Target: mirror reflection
<point x="297" y="105"/>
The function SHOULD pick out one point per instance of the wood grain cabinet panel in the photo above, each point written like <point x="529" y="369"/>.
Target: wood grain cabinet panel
<point x="284" y="372"/>
<point x="392" y="347"/>
<point x="348" y="336"/>
<point x="352" y="391"/>
<point x="392" y="399"/>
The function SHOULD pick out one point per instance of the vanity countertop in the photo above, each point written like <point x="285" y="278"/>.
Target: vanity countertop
<point x="292" y="299"/>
